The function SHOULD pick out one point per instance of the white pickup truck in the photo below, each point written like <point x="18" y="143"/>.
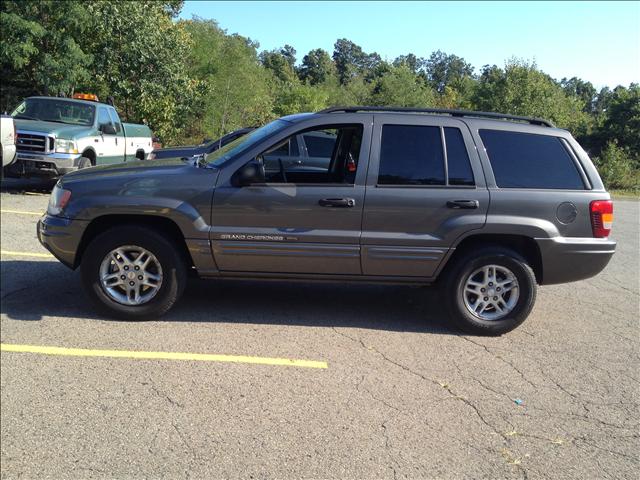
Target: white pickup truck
<point x="59" y="135"/>
<point x="7" y="140"/>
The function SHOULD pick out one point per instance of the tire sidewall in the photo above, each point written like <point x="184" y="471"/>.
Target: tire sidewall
<point x="174" y="272"/>
<point x="526" y="285"/>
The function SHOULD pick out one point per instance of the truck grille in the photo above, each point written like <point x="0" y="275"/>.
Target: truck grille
<point x="30" y="142"/>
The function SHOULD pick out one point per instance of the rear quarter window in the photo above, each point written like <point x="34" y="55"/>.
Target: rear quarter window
<point x="525" y="160"/>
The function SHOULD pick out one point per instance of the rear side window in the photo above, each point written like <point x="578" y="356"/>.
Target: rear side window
<point x="458" y="165"/>
<point x="525" y="160"/>
<point x="411" y="155"/>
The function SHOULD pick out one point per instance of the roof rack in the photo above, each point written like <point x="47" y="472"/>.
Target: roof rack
<point x="442" y="111"/>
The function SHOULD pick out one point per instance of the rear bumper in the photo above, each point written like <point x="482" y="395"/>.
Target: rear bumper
<point x="571" y="259"/>
<point x="61" y="236"/>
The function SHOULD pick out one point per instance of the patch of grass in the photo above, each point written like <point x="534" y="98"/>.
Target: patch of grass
<point x="625" y="193"/>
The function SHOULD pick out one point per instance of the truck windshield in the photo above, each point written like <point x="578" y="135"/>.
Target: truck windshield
<point x="245" y="142"/>
<point x="56" y="110"/>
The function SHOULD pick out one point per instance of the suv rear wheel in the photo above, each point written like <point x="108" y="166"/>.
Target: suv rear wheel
<point x="133" y="273"/>
<point x="490" y="291"/>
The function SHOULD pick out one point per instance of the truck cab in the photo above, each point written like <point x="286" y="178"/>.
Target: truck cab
<point x="59" y="135"/>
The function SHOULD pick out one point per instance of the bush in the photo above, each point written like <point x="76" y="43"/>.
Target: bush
<point x="618" y="169"/>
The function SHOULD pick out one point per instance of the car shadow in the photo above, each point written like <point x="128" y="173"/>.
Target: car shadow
<point x="32" y="290"/>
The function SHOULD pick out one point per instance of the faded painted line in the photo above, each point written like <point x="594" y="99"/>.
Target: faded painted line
<point x="196" y="357"/>
<point x="26" y="254"/>
<point x="22" y="212"/>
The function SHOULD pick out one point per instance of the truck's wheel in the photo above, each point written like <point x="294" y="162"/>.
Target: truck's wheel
<point x="84" y="162"/>
<point x="133" y="273"/>
<point x="489" y="291"/>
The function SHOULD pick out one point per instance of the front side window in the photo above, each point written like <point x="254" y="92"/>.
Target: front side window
<point x="411" y="155"/>
<point x="332" y="155"/>
<point x="115" y="119"/>
<point x="103" y="118"/>
<point x="525" y="160"/>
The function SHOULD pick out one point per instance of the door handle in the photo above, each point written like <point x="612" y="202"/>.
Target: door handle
<point x="337" y="202"/>
<point x="459" y="204"/>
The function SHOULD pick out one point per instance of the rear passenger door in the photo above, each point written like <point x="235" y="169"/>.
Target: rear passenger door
<point x="425" y="188"/>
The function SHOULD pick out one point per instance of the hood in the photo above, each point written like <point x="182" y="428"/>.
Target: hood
<point x="179" y="152"/>
<point x="146" y="168"/>
<point x="60" y="130"/>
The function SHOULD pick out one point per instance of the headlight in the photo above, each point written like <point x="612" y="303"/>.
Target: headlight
<point x="58" y="200"/>
<point x="66" y="146"/>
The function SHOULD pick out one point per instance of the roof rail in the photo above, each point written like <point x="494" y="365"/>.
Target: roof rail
<point x="442" y="111"/>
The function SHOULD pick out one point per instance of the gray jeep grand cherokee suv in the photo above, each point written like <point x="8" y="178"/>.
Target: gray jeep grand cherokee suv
<point x="487" y="205"/>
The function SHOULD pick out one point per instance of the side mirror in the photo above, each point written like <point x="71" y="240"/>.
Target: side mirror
<point x="249" y="174"/>
<point x="108" y="129"/>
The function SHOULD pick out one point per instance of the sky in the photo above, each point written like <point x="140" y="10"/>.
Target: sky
<point x="595" y="41"/>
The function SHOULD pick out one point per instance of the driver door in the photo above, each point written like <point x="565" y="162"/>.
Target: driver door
<point x="296" y="221"/>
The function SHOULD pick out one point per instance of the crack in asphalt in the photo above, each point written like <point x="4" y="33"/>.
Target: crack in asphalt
<point x="446" y="387"/>
<point x="388" y="448"/>
<point x="614" y="452"/>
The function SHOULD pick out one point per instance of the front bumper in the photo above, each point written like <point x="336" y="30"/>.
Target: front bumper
<point x="571" y="259"/>
<point x="61" y="236"/>
<point x="49" y="165"/>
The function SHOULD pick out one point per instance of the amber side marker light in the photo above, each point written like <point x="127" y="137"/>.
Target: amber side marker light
<point x="601" y="217"/>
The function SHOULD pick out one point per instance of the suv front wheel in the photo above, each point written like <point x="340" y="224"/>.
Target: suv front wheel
<point x="133" y="273"/>
<point x="490" y="291"/>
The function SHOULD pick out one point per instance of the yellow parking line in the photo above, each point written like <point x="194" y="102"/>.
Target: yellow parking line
<point x="21" y="212"/>
<point x="26" y="254"/>
<point x="197" y="357"/>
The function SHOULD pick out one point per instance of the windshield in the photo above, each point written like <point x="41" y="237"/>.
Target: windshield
<point x="56" y="110"/>
<point x="245" y="142"/>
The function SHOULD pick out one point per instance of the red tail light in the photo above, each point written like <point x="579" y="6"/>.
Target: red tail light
<point x="601" y="217"/>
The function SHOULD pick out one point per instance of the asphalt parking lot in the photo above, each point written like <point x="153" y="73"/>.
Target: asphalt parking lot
<point x="398" y="394"/>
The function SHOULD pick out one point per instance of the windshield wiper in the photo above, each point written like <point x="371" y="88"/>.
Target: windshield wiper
<point x="58" y="121"/>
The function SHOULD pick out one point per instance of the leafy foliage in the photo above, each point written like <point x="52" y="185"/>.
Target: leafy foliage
<point x="618" y="167"/>
<point x="191" y="80"/>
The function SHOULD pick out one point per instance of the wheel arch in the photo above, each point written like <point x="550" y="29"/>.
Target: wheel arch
<point x="90" y="153"/>
<point x="162" y="225"/>
<point x="525" y="246"/>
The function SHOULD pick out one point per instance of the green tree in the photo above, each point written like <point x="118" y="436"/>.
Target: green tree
<point x="443" y="70"/>
<point x="521" y="89"/>
<point x="316" y="67"/>
<point x="40" y="51"/>
<point x="280" y="64"/>
<point x="140" y="59"/>
<point x="618" y="167"/>
<point x="623" y="118"/>
<point x="585" y="91"/>
<point x="349" y="60"/>
<point x="402" y="88"/>
<point x="415" y="64"/>
<point x="240" y="91"/>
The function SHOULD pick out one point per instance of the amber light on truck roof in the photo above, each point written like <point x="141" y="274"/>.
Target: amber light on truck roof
<point x="86" y="96"/>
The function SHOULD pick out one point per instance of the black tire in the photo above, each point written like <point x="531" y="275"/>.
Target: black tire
<point x="84" y="162"/>
<point x="167" y="253"/>
<point x="454" y="284"/>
